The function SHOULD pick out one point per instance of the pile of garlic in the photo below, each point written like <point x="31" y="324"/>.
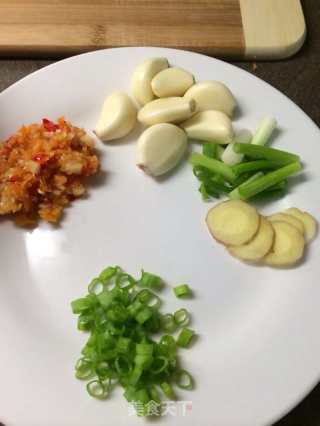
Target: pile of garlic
<point x="174" y="108"/>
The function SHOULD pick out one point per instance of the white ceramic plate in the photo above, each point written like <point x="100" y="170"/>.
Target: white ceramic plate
<point x="259" y="347"/>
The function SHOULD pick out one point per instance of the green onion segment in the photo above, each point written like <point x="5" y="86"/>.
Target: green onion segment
<point x="249" y="189"/>
<point x="215" y="166"/>
<point x="262" y="167"/>
<point x="265" y="153"/>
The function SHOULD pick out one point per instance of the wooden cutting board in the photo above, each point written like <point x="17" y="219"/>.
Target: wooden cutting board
<point x="230" y="28"/>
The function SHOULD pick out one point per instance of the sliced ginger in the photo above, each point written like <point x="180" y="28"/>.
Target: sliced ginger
<point x="233" y="222"/>
<point x="277" y="240"/>
<point x="258" y="247"/>
<point x="292" y="220"/>
<point x="309" y="222"/>
<point x="288" y="246"/>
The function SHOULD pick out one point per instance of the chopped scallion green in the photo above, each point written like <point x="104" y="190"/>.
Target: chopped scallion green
<point x="168" y="323"/>
<point x="182" y="290"/>
<point x="121" y="314"/>
<point x="185" y="337"/>
<point x="184" y="380"/>
<point x="167" y="390"/>
<point x="97" y="389"/>
<point x="181" y="317"/>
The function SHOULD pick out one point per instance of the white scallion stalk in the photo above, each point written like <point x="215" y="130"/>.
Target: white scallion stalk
<point x="229" y="156"/>
<point x="264" y="131"/>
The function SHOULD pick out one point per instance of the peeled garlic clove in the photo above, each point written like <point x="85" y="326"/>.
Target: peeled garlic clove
<point x="212" y="95"/>
<point x="167" y="110"/>
<point x="211" y="126"/>
<point x="171" y="82"/>
<point x="160" y="148"/>
<point x="117" y="118"/>
<point x="142" y="77"/>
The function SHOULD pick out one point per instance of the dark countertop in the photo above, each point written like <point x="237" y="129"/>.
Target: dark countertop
<point x="299" y="79"/>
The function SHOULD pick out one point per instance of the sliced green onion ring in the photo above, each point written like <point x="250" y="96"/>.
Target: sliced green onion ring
<point x="97" y="389"/>
<point x="148" y="298"/>
<point x="83" y="369"/>
<point x="85" y="322"/>
<point x="122" y="365"/>
<point x="144" y="296"/>
<point x="103" y="370"/>
<point x="80" y="305"/>
<point x="101" y="320"/>
<point x="167" y="340"/>
<point x="116" y="330"/>
<point x="168" y="323"/>
<point x="143" y="315"/>
<point x="181" y="317"/>
<point x="144" y="348"/>
<point x="108" y="273"/>
<point x="149" y="280"/>
<point x="124" y="344"/>
<point x="184" y="380"/>
<point x="96" y="286"/>
<point x="159" y="364"/>
<point x="125" y="281"/>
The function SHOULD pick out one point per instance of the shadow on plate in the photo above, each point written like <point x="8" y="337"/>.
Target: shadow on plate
<point x="132" y="137"/>
<point x="182" y="163"/>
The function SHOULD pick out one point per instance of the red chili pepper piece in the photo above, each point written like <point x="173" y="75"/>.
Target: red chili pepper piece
<point x="13" y="178"/>
<point x="40" y="157"/>
<point x="49" y="125"/>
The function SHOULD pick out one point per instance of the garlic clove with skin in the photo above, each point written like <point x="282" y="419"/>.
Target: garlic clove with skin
<point x="210" y="126"/>
<point x="142" y="77"/>
<point x="117" y="118"/>
<point x="212" y="95"/>
<point x="160" y="148"/>
<point x="167" y="110"/>
<point x="171" y="82"/>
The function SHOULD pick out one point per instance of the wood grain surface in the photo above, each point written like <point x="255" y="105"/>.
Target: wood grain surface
<point x="229" y="28"/>
<point x="299" y="79"/>
<point x="64" y="27"/>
